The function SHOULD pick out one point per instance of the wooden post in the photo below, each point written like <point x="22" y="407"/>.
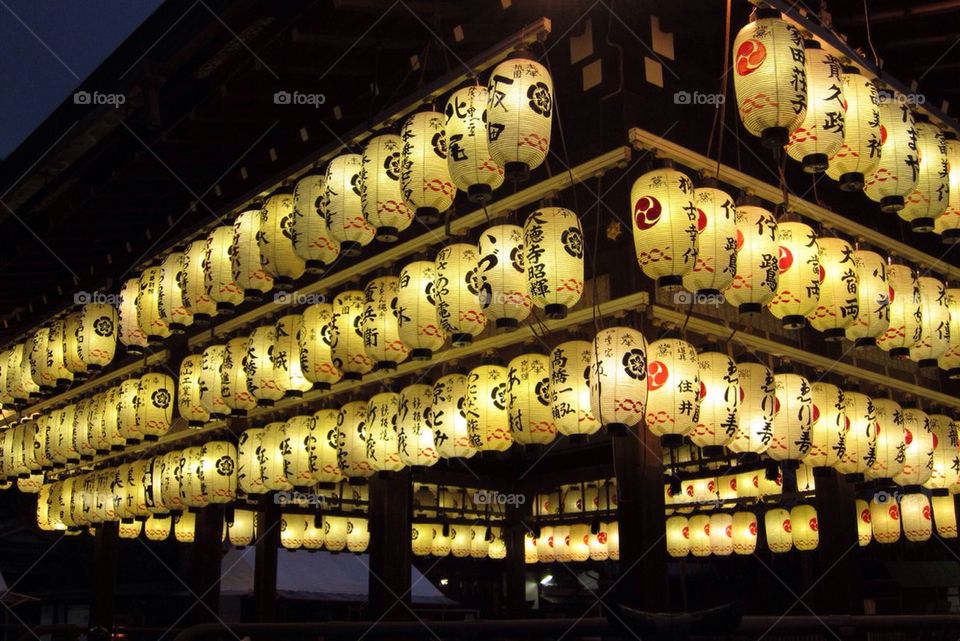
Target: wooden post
<point x="265" y="570"/>
<point x="515" y="566"/>
<point x="390" y="552"/>
<point x="104" y="577"/>
<point x="839" y="589"/>
<point x="207" y="553"/>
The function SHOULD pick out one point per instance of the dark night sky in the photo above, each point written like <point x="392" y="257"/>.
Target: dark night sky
<point x="81" y="34"/>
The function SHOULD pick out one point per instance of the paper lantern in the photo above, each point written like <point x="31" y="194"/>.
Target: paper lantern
<point x="343" y="206"/>
<point x="380" y="193"/>
<point x="157" y="528"/>
<point x="149" y="315"/>
<point x="599" y="551"/>
<point x="698" y="529"/>
<point x="828" y="425"/>
<point x="838" y="304"/>
<point x="719" y="398"/>
<point x="314" y="346"/>
<point x="334" y="533"/>
<point x="172" y="308"/>
<point x="721" y="534"/>
<point x="240" y="531"/>
<point x="349" y="355"/>
<point x="716" y="262"/>
<point x="442" y="543"/>
<point x="312" y="240"/>
<point x="456" y="289"/>
<point x="944" y="516"/>
<point x="248" y="270"/>
<point x="498" y="547"/>
<point x="744" y="528"/>
<point x="233" y="377"/>
<point x="449" y="415"/>
<point x="613" y="539"/>
<point x="185" y="527"/>
<point x="415" y="436"/>
<point x="355" y="451"/>
<point x="286" y="357"/>
<point x="916" y="515"/>
<point x="211" y="393"/>
<point x="948" y="224"/>
<point x="188" y="392"/>
<point x="864" y="527"/>
<point x="271" y="458"/>
<point x="887" y="457"/>
<point x="561" y="552"/>
<point x="218" y="270"/>
<point x="425" y="181"/>
<point x="154" y="405"/>
<point x="36" y="354"/>
<point x="250" y="452"/>
<point x="504" y="290"/>
<point x="929" y="200"/>
<point x="905" y="328"/>
<point x="56" y="359"/>
<point x="618" y="378"/>
<point x="529" y="548"/>
<point x="292" y="527"/>
<point x="131" y="336"/>
<point x="770" y="78"/>
<point x="570" y="388"/>
<point x="479" y="545"/>
<point x="17" y="387"/>
<point x="263" y="381"/>
<point x="678" y="537"/>
<point x="793" y="410"/>
<point x="896" y="174"/>
<point x="553" y="255"/>
<point x="779" y="530"/>
<point x="326" y="465"/>
<point x="820" y="135"/>
<point x="485" y="406"/>
<point x="873" y="299"/>
<point x="805" y="527"/>
<point x="461" y="539"/>
<point x="193" y="284"/>
<point x="383" y="448"/>
<point x="421" y="537"/>
<point x="934" y="323"/>
<point x="942" y="474"/>
<point x="299" y="450"/>
<point x="417" y="323"/>
<point x="798" y="284"/>
<point x="949" y="361"/>
<point x="665" y="225"/>
<point x="313" y="536"/>
<point x="379" y="324"/>
<point x="6" y="383"/>
<point x="856" y="450"/>
<point x="275" y="240"/>
<point x="169" y="470"/>
<point x="673" y="381"/>
<point x="755" y="282"/>
<point x="519" y="114"/>
<point x="468" y="155"/>
<point x="190" y="480"/>
<point x="918" y="453"/>
<point x="528" y="399"/>
<point x="860" y="153"/>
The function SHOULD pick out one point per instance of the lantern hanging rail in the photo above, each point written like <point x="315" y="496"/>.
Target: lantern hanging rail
<point x="618" y="157"/>
<point x="766" y="346"/>
<point x="643" y="140"/>
<point x="755" y="503"/>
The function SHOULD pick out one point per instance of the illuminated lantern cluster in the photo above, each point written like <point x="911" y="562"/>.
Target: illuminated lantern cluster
<point x="820" y="135"/>
<point x="504" y="290"/>
<point x="380" y="194"/>
<point x="791" y="418"/>
<point x="860" y="153"/>
<point x="425" y="181"/>
<point x="455" y="289"/>
<point x="618" y="378"/>
<point x="930" y="198"/>
<point x="312" y="240"/>
<point x="770" y="78"/>
<point x="798" y="284"/>
<point x="905" y="316"/>
<point x="343" y="206"/>
<point x="838" y="304"/>
<point x="665" y="225"/>
<point x="934" y="323"/>
<point x="948" y="224"/>
<point x="755" y="282"/>
<point x="553" y="256"/>
<point x="519" y="114"/>
<point x="873" y="299"/>
<point x="529" y="400"/>
<point x="570" y="388"/>
<point x="468" y="153"/>
<point x="417" y="323"/>
<point x="275" y="239"/>
<point x="248" y="271"/>
<point x="379" y="324"/>
<point x="896" y="174"/>
<point x="673" y="381"/>
<point x="716" y="263"/>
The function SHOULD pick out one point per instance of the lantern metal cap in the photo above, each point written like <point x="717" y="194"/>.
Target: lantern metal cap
<point x="768" y="12"/>
<point x="850" y="69"/>
<point x="521" y="53"/>
<point x="785" y="368"/>
<point x="282" y="190"/>
<point x="810" y="43"/>
<point x="920" y="117"/>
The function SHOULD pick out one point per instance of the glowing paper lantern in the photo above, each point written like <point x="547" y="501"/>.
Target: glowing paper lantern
<point x="838" y="304"/>
<point x="218" y="270"/>
<point x="949" y="361"/>
<point x="779" y="530"/>
<point x="599" y="551"/>
<point x="553" y="255"/>
<point x="334" y="533"/>
<point x="149" y="315"/>
<point x="185" y="527"/>
<point x="618" y="378"/>
<point x="828" y="425"/>
<point x="171" y="306"/>
<point x="326" y="466"/>
<point x="315" y="346"/>
<point x="211" y="393"/>
<point x="755" y="282"/>
<point x="312" y="240"/>
<point x="312" y="533"/>
<point x="918" y="454"/>
<point x="916" y="514"/>
<point x="130" y="334"/>
<point x="188" y="392"/>
<point x="380" y="194"/>
<point x="154" y="405"/>
<point x="721" y="534"/>
<point x="860" y="152"/>
<point x="719" y="398"/>
<point x="498" y="547"/>
<point x="857" y="450"/>
<point x="665" y="225"/>
<point x="299" y="450"/>
<point x="343" y="206"/>
<point x="485" y="405"/>
<point x="456" y="288"/>
<point x="193" y="284"/>
<point x="157" y="528"/>
<point x="791" y="419"/>
<point x="248" y="271"/>
<point x="716" y="262"/>
<point x="275" y="239"/>
<point x="529" y="548"/>
<point x="355" y="454"/>
<point x="942" y="474"/>
<point x="471" y="167"/>
<point x="873" y="299"/>
<point x="461" y="540"/>
<point x="263" y="381"/>
<point x="930" y="198"/>
<point x="218" y="468"/>
<point x="805" y="527"/>
<point x="56" y="358"/>
<point x="272" y="465"/>
<point x="504" y="290"/>
<point x="241" y="531"/>
<point x="286" y="357"/>
<point x="948" y="224"/>
<point x="613" y="539"/>
<point x="417" y="323"/>
<point x="934" y="323"/>
<point x="944" y="516"/>
<point x="820" y="135"/>
<point x="678" y="537"/>
<point x="519" y="114"/>
<point x="905" y="312"/>
<point x="479" y="545"/>
<point x="673" y="381"/>
<point x="896" y="174"/>
<point x="798" y="285"/>
<point x="770" y="78"/>
<point x="887" y="458"/>
<point x="421" y="536"/>
<point x="379" y="324"/>
<point x="233" y="377"/>
<point x="528" y="399"/>
<point x="449" y="416"/>
<point x="425" y="180"/>
<point x="699" y="532"/>
<point x="383" y="449"/>
<point x="347" y="348"/>
<point x="744" y="532"/>
<point x="249" y="470"/>
<point x="415" y="436"/>
<point x="292" y="527"/>
<point x="570" y="388"/>
<point x="864" y="528"/>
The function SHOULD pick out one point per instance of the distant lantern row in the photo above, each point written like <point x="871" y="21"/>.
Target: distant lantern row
<point x="721" y="492"/>
<point x="458" y="540"/>
<point x="725" y="533"/>
<point x="576" y="542"/>
<point x="914" y="516"/>
<point x="792" y="93"/>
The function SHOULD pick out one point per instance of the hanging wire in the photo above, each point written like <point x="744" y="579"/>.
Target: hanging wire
<point x="866" y="19"/>
<point x="595" y="287"/>
<point x="563" y="138"/>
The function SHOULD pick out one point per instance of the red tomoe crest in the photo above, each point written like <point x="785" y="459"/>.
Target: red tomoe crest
<point x="711" y="485"/>
<point x="814" y="525"/>
<point x="787" y="527"/>
<point x="657" y="375"/>
<point x="729" y="532"/>
<point x="934" y="441"/>
<point x="846" y="423"/>
<point x="602" y="537"/>
<point x="891" y="294"/>
<point x="706" y="528"/>
<point x="816" y="414"/>
<point x="701" y="220"/>
<point x="926" y="512"/>
<point x="733" y="483"/>
<point x="739" y="239"/>
<point x="703" y="391"/>
<point x="753" y="528"/>
<point x="776" y="404"/>
<point x="689" y="490"/>
<point x="686" y="532"/>
<point x="865" y="515"/>
<point x="786" y="259"/>
<point x="883" y="135"/>
<point x="907" y="437"/>
<point x="647" y="211"/>
<point x="750" y="55"/>
<point x="823" y="274"/>
<point x="894" y="512"/>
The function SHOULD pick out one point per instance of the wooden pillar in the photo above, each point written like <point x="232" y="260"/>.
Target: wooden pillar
<point x="515" y="566"/>
<point x="104" y="577"/>
<point x="390" y="554"/>
<point x="839" y="589"/>
<point x="265" y="569"/>
<point x="207" y="553"/>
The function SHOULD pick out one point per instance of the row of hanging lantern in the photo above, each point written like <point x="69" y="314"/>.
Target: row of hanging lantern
<point x="914" y="516"/>
<point x="792" y="93"/>
<point x="576" y="542"/>
<point x="329" y="532"/>
<point x="726" y="533"/>
<point x="458" y="540"/>
<point x="732" y="488"/>
<point x="67" y="349"/>
<point x="577" y="498"/>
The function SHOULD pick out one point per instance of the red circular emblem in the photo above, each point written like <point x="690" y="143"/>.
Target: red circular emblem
<point x="926" y="512"/>
<point x="816" y="414"/>
<point x="753" y="528"/>
<point x="739" y="239"/>
<point x="657" y="375"/>
<point x="865" y="515"/>
<point x="703" y="391"/>
<point x="750" y="56"/>
<point x="686" y="532"/>
<point x="814" y="525"/>
<point x="894" y="512"/>
<point x="786" y="259"/>
<point x="787" y="527"/>
<point x="776" y="404"/>
<point x="883" y="135"/>
<point x="701" y="220"/>
<point x="646" y="212"/>
<point x="907" y="437"/>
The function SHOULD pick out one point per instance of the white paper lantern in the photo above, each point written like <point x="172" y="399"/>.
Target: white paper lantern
<point x="343" y="206"/>
<point x="699" y="531"/>
<point x="312" y="240"/>
<point x="485" y="405"/>
<point x="468" y="155"/>
<point x="820" y="135"/>
<point x="292" y="528"/>
<point x="528" y="399"/>
<point x="504" y="289"/>
<point x="155" y="395"/>
<point x="949" y="361"/>
<point x="553" y="255"/>
<point x="930" y="198"/>
<point x="770" y="78"/>
<point x="519" y="114"/>
<point x="286" y="357"/>
<point x="449" y="416"/>
<point x="678" y="537"/>
<point x="721" y="534"/>
<point x="839" y="304"/>
<point x="382" y="199"/>
<point x="665" y="225"/>
<point x="873" y="299"/>
<point x="193" y="284"/>
<point x="934" y="323"/>
<point x="211" y="392"/>
<point x="263" y="381"/>
<point x="417" y="323"/>
<point x="456" y="288"/>
<point x="149" y="315"/>
<point x="887" y="458"/>
<point x="299" y="449"/>
<point x="905" y="313"/>
<point x="791" y="418"/>
<point x="275" y="239"/>
<point x="72" y="357"/>
<point x="415" y="426"/>
<point x="570" y="388"/>
<point x="779" y="530"/>
<point x="948" y="224"/>
<point x="56" y="361"/>
<point x="272" y="466"/>
<point x="719" y="393"/>
<point x="805" y="527"/>
<point x="233" y="377"/>
<point x="248" y="271"/>
<point x="918" y="453"/>
<point x="335" y="533"/>
<point x="355" y="450"/>
<point x="798" y="284"/>
<point x="157" y="528"/>
<point x="479" y="545"/>
<point x="240" y="532"/>
<point x="942" y="474"/>
<point x="218" y="270"/>
<point x="425" y="181"/>
<point x="349" y="355"/>
<point x="218" y="467"/>
<point x="828" y="425"/>
<point x="944" y="516"/>
<point x="314" y="346"/>
<point x="326" y="466"/>
<point x="421" y="536"/>
<point x="856" y="452"/>
<point x="673" y="381"/>
<point x="755" y="282"/>
<point x="716" y="263"/>
<point x="916" y="516"/>
<point x="172" y="307"/>
<point x="188" y="392"/>
<point x="383" y="447"/>
<point x="618" y="378"/>
<point x="130" y="334"/>
<point x="379" y="324"/>
<point x="896" y="174"/>
<point x="744" y="532"/>
<point x="860" y="153"/>
<point x="864" y="529"/>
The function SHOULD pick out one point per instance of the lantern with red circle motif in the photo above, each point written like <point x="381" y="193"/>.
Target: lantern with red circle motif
<point x="791" y="419"/>
<point x="838" y="304"/>
<point x="804" y="527"/>
<point x="779" y="530"/>
<point x="916" y="516"/>
<point x="756" y="408"/>
<point x="673" y="381"/>
<point x="665" y="225"/>
<point x="798" y="284"/>
<point x="828" y="425"/>
<point x="918" y="454"/>
<point x="716" y="263"/>
<point x="755" y="282"/>
<point x="929" y="200"/>
<point x="820" y="135"/>
<point x="860" y="152"/>
<point x="897" y="170"/>
<point x="678" y="537"/>
<point x="905" y="313"/>
<point x="857" y="451"/>
<point x="719" y="400"/>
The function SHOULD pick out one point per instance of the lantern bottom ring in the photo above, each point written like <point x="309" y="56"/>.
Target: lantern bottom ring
<point x="508" y="324"/>
<point x="314" y="266"/>
<point x="321" y="386"/>
<point x="264" y="402"/>
<point x="283" y="283"/>
<point x="384" y="365"/>
<point x="774" y="137"/>
<point x="671" y="441"/>
<point x="949" y="237"/>
<point x="196" y="424"/>
<point x="226" y="309"/>
<point x="199" y="319"/>
<point x="428" y="215"/>
<point x="293" y="393"/>
<point x="853" y="477"/>
<point x="851" y="181"/>
<point x="834" y="334"/>
<point x="922" y="225"/>
<point x="352" y="376"/>
<point x="387" y="234"/>
<point x="953" y="373"/>
<point x="747" y="309"/>
<point x="927" y="362"/>
<point x="255" y="295"/>
<point x="891" y="204"/>
<point x="461" y="340"/>
<point x="421" y="354"/>
<point x="815" y="163"/>
<point x="865" y="342"/>
<point x="940" y="491"/>
<point x="516" y="171"/>
<point x="480" y="194"/>
<point x="176" y="328"/>
<point x="132" y="350"/>
<point x="900" y="353"/>
<point x="713" y="451"/>
<point x="794" y="321"/>
<point x="670" y="283"/>
<point x="555" y="311"/>
<point x="151" y="438"/>
<point x="577" y="439"/>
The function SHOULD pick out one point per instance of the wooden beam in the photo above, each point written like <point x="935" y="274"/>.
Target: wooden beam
<point x="390" y="553"/>
<point x="104" y="576"/>
<point x="838" y="588"/>
<point x="207" y="554"/>
<point x="265" y="568"/>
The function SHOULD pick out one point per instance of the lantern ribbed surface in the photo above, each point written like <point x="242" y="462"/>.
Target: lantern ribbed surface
<point x="896" y="174"/>
<point x="286" y="356"/>
<point x="949" y="361"/>
<point x="425" y="181"/>
<point x="211" y="392"/>
<point x="859" y="154"/>
<point x="275" y="239"/>
<point x="173" y="310"/>
<point x="379" y="323"/>
<point x="929" y="200"/>
<point x="618" y="378"/>
<point x="383" y="446"/>
<point x="485" y="406"/>
<point x="468" y="154"/>
<point x="673" y="383"/>
<point x="570" y="388"/>
<point x="149" y="315"/>
<point x="218" y="270"/>
<point x="248" y="271"/>
<point x="918" y="453"/>
<point x="889" y="447"/>
<point x="188" y="392"/>
<point x="456" y="289"/>
<point x="326" y="467"/>
<point x="233" y="377"/>
<point x="934" y="323"/>
<point x="129" y="332"/>
<point x="504" y="290"/>
<point x="798" y="283"/>
<point x="859" y="444"/>
<point x="716" y="262"/>
<point x="417" y="323"/>
<point x="905" y="327"/>
<point x="719" y="400"/>
<point x="820" y="135"/>
<point x="354" y="454"/>
<point x="755" y="282"/>
<point x="528" y="399"/>
<point x="553" y="256"/>
<point x="415" y="425"/>
<point x="312" y="240"/>
<point x="838" y="304"/>
<point x="665" y="225"/>
<point x="349" y="355"/>
<point x="451" y="434"/>
<point x="193" y="284"/>
<point x="380" y="194"/>
<point x="873" y="299"/>
<point x="261" y="368"/>
<point x="828" y="425"/>
<point x="791" y="418"/>
<point x="315" y="346"/>
<point x="948" y="224"/>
